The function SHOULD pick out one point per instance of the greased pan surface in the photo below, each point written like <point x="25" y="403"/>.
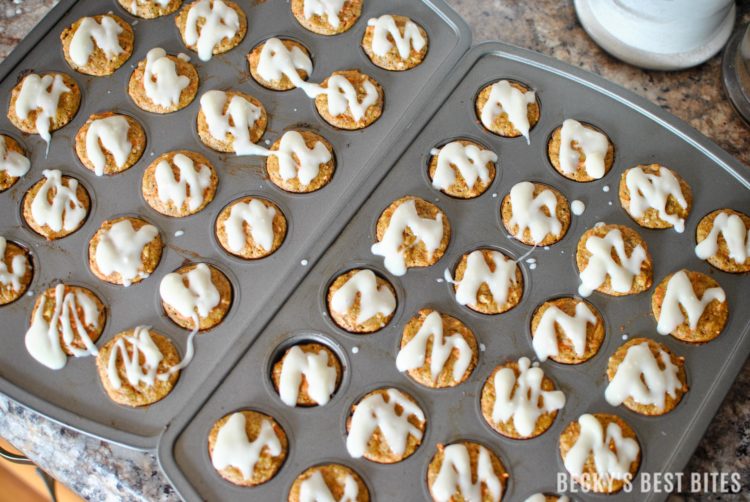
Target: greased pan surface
<point x="74" y="395"/>
<point x="641" y="133"/>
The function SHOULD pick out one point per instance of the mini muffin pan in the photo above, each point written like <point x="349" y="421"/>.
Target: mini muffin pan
<point x="74" y="395"/>
<point x="641" y="133"/>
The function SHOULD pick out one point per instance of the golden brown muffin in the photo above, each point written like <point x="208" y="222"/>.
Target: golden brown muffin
<point x="501" y="125"/>
<point x="566" y="352"/>
<point x="99" y="64"/>
<point x="150" y="9"/>
<point x="323" y="24"/>
<point x="251" y="250"/>
<point x="335" y="477"/>
<point x="282" y="84"/>
<point x="7" y="180"/>
<point x="591" y="479"/>
<point x="650" y="218"/>
<point x="433" y="470"/>
<point x="346" y="120"/>
<point x="303" y="398"/>
<point x="216" y="314"/>
<point x="226" y="144"/>
<point x="268" y="465"/>
<point x="293" y="184"/>
<point x="141" y="393"/>
<point x="451" y="326"/>
<point x="392" y="60"/>
<point x="42" y="228"/>
<point x="348" y="321"/>
<point x="714" y="317"/>
<point x="562" y="213"/>
<point x="460" y="187"/>
<point x="136" y="137"/>
<point x="67" y="106"/>
<point x="138" y="93"/>
<point x="150" y="188"/>
<point x="721" y="259"/>
<point x="580" y="174"/>
<point x="225" y="44"/>
<point x="485" y="302"/>
<point x="8" y="252"/>
<point x="655" y="347"/>
<point x="630" y="237"/>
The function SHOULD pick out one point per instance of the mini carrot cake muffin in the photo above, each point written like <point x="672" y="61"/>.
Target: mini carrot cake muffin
<point x="385" y="409"/>
<point x="327" y="18"/>
<point x="350" y="100"/>
<point x="437" y="350"/>
<point x="411" y="232"/>
<point x="138" y="367"/>
<point x="211" y="26"/>
<point x="469" y="466"/>
<point x="488" y="282"/>
<point x="535" y="214"/>
<point x="646" y="377"/>
<point x="361" y="301"/>
<point x="110" y="143"/>
<point x="247" y="448"/>
<point x="307" y="374"/>
<point x="690" y="306"/>
<point x="40" y="104"/>
<point x="163" y="83"/>
<point x="547" y="497"/>
<point x="150" y="9"/>
<point x="179" y="183"/>
<point x="656" y="197"/>
<point x="14" y="163"/>
<point x="723" y="240"/>
<point x="567" y="330"/>
<point x="66" y="321"/>
<point x="601" y="452"/>
<point x="231" y="122"/>
<point x="507" y="108"/>
<point x="56" y="205"/>
<point x="251" y="227"/>
<point x="519" y="401"/>
<point x="329" y="482"/>
<point x="125" y="250"/>
<point x="580" y="152"/>
<point x="280" y="64"/>
<point x="463" y="169"/>
<point x="97" y="45"/>
<point x="301" y="162"/>
<point x="196" y="294"/>
<point x="395" y="42"/>
<point x="16" y="271"/>
<point x="614" y="260"/>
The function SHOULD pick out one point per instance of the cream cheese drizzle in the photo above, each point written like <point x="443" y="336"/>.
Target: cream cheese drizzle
<point x="104" y="34"/>
<point x="593" y="143"/>
<point x="652" y="191"/>
<point x="258" y="217"/>
<point x="528" y="214"/>
<point x="601" y="264"/>
<point x="120" y="249"/>
<point x="373" y="299"/>
<point x="12" y="276"/>
<point x="315" y="368"/>
<point x="457" y="476"/>
<point x="220" y="22"/>
<point x="234" y="449"/>
<point x="41" y="94"/>
<point x="504" y="98"/>
<point x="593" y="440"/>
<point x="386" y="25"/>
<point x="64" y="211"/>
<point x="470" y="161"/>
<point x="112" y="132"/>
<point x="190" y="188"/>
<point x="573" y="328"/>
<point x="161" y="82"/>
<point x="680" y="300"/>
<point x="735" y="234"/>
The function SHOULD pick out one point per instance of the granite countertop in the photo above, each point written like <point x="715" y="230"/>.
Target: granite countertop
<point x="102" y="471"/>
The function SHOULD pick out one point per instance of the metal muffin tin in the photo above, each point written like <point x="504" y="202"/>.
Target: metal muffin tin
<point x="74" y="395"/>
<point x="641" y="133"/>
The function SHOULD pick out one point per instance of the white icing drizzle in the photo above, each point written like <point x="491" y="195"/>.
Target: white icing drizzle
<point x="572" y="327"/>
<point x="161" y="82"/>
<point x="456" y="476"/>
<point x="737" y="238"/>
<point x="478" y="272"/>
<point x="527" y="212"/>
<point x="65" y="212"/>
<point x="639" y="377"/>
<point x="258" y="217"/>
<point x="17" y="269"/>
<point x="328" y="8"/>
<point x="137" y="373"/>
<point x="41" y="94"/>
<point x="593" y="143"/>
<point x="277" y="61"/>
<point x="470" y="160"/>
<point x="120" y="249"/>
<point x="601" y="264"/>
<point x="199" y="296"/>
<point x="296" y="160"/>
<point x="386" y="25"/>
<point x="104" y="33"/>
<point x="522" y="398"/>
<point x="220" y="22"/>
<point x="320" y="377"/>
<point x="504" y="98"/>
<point x="234" y="449"/>
<point x="413" y="354"/>
<point x="652" y="191"/>
<point x="11" y="162"/>
<point x="342" y="97"/>
<point x="425" y="230"/>
<point x="315" y="489"/>
<point x="193" y="180"/>
<point x="680" y="296"/>
<point x="239" y="118"/>
<point x="373" y="300"/>
<point x="43" y="338"/>
<point x="374" y="413"/>
<point x="577" y="207"/>
<point x="540" y="497"/>
<point x="112" y="132"/>
<point x="593" y="441"/>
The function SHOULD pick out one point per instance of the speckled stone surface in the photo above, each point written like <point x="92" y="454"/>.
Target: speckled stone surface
<point x="101" y="471"/>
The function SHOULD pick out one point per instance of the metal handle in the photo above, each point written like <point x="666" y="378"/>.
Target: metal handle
<point x="17" y="458"/>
